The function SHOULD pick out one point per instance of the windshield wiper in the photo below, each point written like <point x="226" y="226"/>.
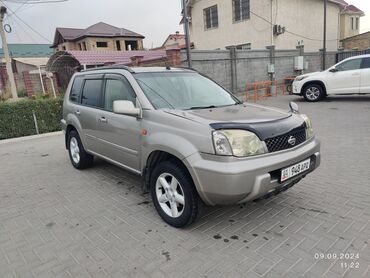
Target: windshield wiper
<point x="202" y="107"/>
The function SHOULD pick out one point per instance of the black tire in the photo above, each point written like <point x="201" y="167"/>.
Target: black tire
<point x="313" y="92"/>
<point x="85" y="160"/>
<point x="192" y="203"/>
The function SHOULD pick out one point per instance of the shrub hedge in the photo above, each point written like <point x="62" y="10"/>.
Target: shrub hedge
<point x="16" y="118"/>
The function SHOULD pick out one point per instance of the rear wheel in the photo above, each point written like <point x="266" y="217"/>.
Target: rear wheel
<point x="313" y="92"/>
<point x="174" y="195"/>
<point x="79" y="157"/>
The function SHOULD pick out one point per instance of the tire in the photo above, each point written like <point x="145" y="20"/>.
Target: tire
<point x="172" y="184"/>
<point x="313" y="92"/>
<point x="80" y="159"/>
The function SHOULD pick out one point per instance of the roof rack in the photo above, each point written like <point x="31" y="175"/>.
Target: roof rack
<point x="110" y="67"/>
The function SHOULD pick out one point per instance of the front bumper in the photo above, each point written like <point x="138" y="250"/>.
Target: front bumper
<point x="297" y="87"/>
<point x="230" y="180"/>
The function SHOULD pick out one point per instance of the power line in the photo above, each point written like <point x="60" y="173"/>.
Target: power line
<point x="25" y="23"/>
<point x="292" y="33"/>
<point x="35" y="1"/>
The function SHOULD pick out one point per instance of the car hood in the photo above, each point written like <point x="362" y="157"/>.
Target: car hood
<point x="266" y="122"/>
<point x="242" y="113"/>
<point x="311" y="74"/>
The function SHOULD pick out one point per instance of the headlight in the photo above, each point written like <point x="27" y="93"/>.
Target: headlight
<point x="300" y="78"/>
<point x="236" y="142"/>
<point x="309" y="128"/>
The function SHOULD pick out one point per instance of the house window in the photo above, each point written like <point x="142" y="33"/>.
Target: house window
<point x="241" y="10"/>
<point x="246" y="46"/>
<point x="352" y="24"/>
<point x="357" y="23"/>
<point x="102" y="44"/>
<point x="118" y="45"/>
<point x="84" y="46"/>
<point x="211" y="17"/>
<point x="79" y="46"/>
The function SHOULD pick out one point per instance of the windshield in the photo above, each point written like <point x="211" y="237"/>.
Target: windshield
<point x="183" y="90"/>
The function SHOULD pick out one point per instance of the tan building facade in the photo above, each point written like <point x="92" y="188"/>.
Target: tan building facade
<point x="98" y="37"/>
<point x="350" y="20"/>
<point x="249" y="24"/>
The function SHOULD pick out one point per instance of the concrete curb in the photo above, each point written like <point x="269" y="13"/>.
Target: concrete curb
<point x="26" y="138"/>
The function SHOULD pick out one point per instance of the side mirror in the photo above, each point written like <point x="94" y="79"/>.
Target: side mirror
<point x="334" y="70"/>
<point x="125" y="107"/>
<point x="294" y="107"/>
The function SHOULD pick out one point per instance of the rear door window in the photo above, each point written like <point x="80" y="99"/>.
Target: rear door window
<point x="76" y="89"/>
<point x="91" y="94"/>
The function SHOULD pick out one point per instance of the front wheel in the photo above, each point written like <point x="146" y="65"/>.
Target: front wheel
<point x="79" y="157"/>
<point x="174" y="195"/>
<point x="313" y="93"/>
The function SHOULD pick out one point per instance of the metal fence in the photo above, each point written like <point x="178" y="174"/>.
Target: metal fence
<point x="340" y="56"/>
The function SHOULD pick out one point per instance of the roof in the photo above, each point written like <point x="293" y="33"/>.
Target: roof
<point x="176" y="37"/>
<point x="347" y="8"/>
<point x="28" y="50"/>
<point x="352" y="9"/>
<point x="37" y="62"/>
<point x="140" y="69"/>
<point x="99" y="29"/>
<point x="113" y="57"/>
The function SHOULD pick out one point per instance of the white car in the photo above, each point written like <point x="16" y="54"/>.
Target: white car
<point x="350" y="76"/>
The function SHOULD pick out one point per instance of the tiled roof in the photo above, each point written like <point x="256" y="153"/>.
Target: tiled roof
<point x="351" y="9"/>
<point x="100" y="29"/>
<point x="28" y="50"/>
<point x="114" y="57"/>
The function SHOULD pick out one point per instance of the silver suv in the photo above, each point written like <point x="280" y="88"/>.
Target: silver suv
<point x="190" y="140"/>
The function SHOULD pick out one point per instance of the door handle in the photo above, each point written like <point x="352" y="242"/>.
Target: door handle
<point x="77" y="112"/>
<point x="103" y="120"/>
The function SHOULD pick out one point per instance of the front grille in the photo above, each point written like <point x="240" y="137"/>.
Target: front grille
<point x="280" y="143"/>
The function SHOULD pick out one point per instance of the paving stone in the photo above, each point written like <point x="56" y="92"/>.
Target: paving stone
<point x="56" y="221"/>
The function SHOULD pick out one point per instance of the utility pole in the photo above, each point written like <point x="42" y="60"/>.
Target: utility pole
<point x="324" y="41"/>
<point x="9" y="69"/>
<point x="185" y="20"/>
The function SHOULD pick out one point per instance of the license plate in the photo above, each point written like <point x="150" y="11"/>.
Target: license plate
<point x="294" y="170"/>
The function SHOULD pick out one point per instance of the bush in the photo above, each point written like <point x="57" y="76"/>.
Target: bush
<point x="16" y="118"/>
<point x="22" y="93"/>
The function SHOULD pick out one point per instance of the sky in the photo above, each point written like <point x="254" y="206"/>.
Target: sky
<point x="155" y="19"/>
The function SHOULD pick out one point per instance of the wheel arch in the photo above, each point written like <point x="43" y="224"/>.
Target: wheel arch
<point x="318" y="82"/>
<point x="156" y="157"/>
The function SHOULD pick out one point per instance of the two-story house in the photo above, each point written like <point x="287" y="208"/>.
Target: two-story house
<point x="255" y="24"/>
<point x="100" y="36"/>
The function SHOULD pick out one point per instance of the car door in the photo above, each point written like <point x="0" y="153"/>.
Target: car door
<point x="119" y="134"/>
<point x="365" y="76"/>
<point x="90" y="103"/>
<point x="346" y="78"/>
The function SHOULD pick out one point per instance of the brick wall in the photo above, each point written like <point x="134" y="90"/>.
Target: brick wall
<point x="28" y="83"/>
<point x="361" y="42"/>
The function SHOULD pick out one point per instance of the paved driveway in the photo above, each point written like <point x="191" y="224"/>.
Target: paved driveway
<point x="56" y="221"/>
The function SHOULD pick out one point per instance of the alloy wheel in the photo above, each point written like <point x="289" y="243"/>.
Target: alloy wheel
<point x="313" y="93"/>
<point x="170" y="195"/>
<point x="75" y="150"/>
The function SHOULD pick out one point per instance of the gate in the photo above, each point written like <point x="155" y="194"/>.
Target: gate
<point x="340" y="56"/>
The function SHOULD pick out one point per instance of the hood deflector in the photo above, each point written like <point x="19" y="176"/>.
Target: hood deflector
<point x="265" y="130"/>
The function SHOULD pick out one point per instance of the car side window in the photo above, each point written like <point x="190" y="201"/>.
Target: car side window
<point x="365" y="63"/>
<point x="117" y="89"/>
<point x="91" y="93"/>
<point x="354" y="64"/>
<point x="78" y="82"/>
